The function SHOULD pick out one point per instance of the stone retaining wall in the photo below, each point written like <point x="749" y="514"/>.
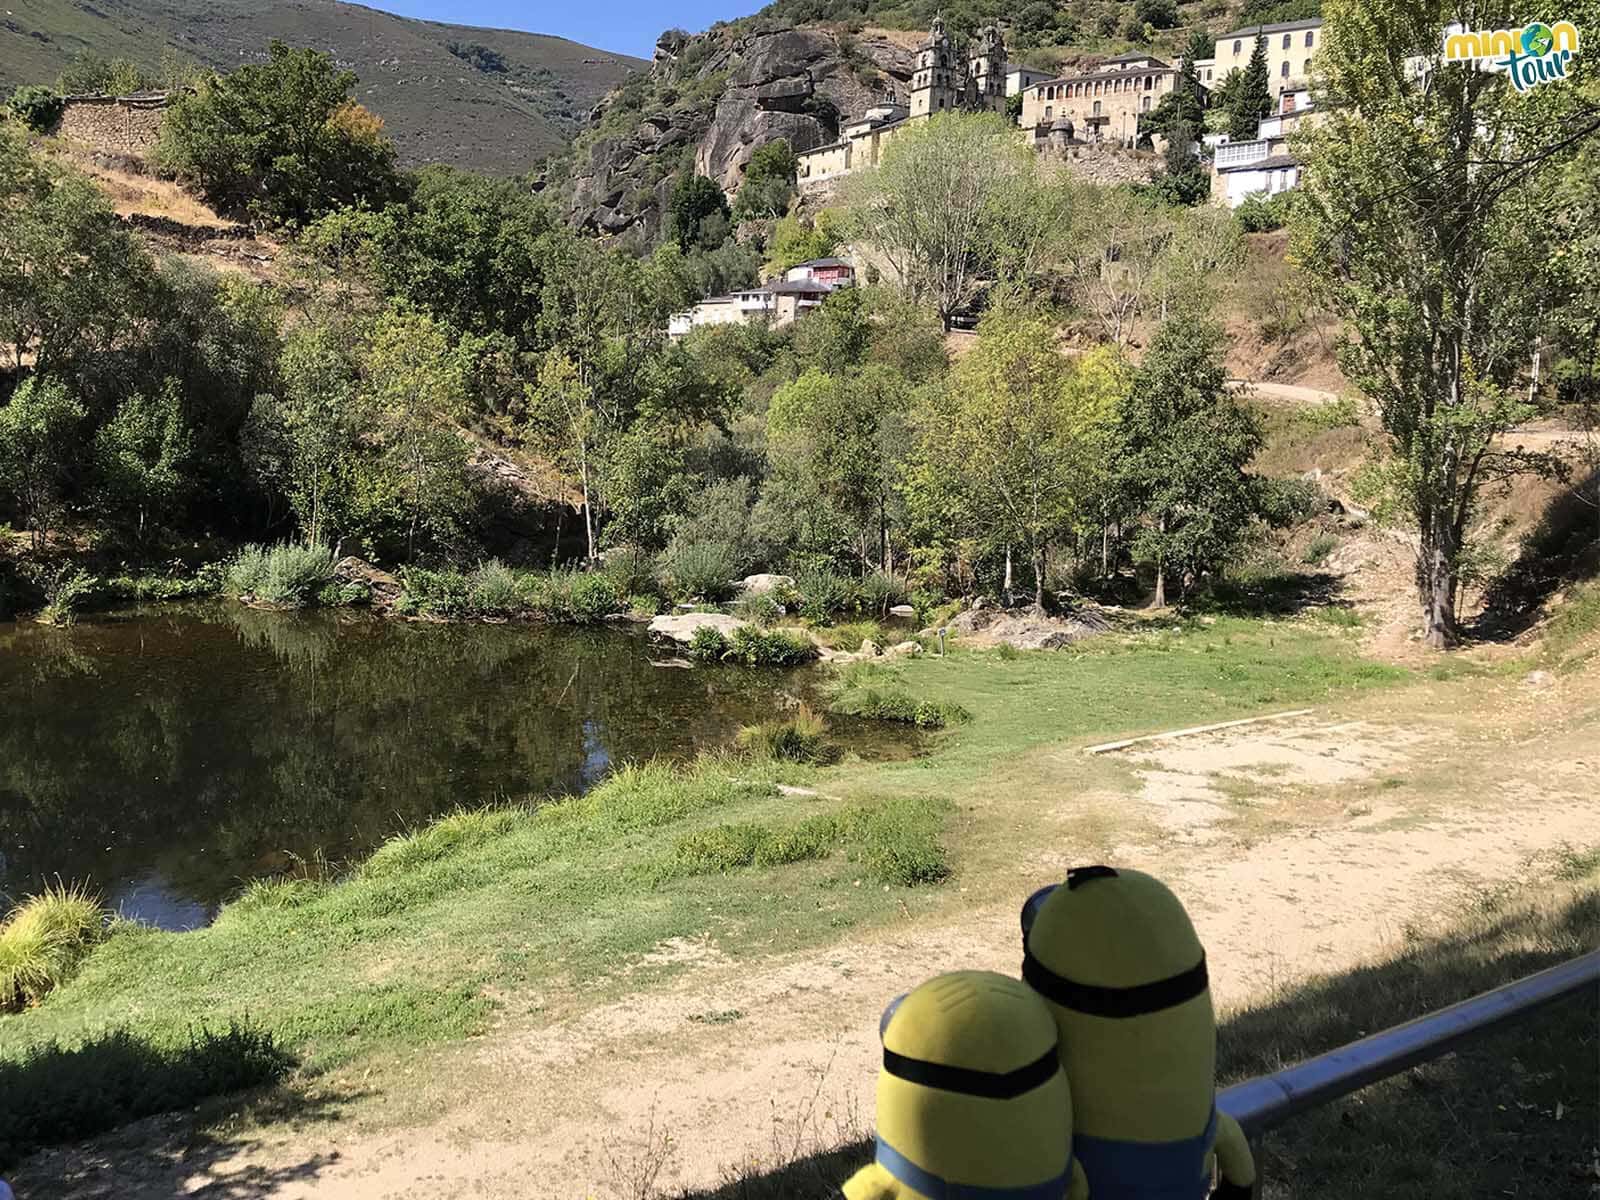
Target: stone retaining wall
<point x="117" y="124"/>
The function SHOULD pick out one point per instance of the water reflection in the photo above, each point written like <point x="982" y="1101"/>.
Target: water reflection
<point x="171" y="756"/>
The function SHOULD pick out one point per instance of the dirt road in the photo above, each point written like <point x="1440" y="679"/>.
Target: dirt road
<point x="747" y="1061"/>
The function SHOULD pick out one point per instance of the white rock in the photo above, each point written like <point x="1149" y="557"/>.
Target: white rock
<point x="762" y="585"/>
<point x="680" y="627"/>
<point x="908" y="649"/>
<point x="902" y="610"/>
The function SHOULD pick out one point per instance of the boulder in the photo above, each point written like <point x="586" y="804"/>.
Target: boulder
<point x="681" y="627"/>
<point x="385" y="588"/>
<point x="904" y="649"/>
<point x="869" y="649"/>
<point x="765" y="585"/>
<point x="902" y="610"/>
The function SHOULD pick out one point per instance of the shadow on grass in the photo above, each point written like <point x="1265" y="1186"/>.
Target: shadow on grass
<point x="1562" y="549"/>
<point x="1274" y="595"/>
<point x="1481" y="1122"/>
<point x="159" y="1115"/>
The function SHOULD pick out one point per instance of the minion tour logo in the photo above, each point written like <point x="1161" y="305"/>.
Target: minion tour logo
<point x="1535" y="54"/>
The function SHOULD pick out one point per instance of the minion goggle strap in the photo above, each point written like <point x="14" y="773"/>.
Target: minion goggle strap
<point x="968" y="1081"/>
<point x="1096" y="1001"/>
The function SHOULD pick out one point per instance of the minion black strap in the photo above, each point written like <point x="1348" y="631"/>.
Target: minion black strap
<point x="1096" y="1001"/>
<point x="971" y="1082"/>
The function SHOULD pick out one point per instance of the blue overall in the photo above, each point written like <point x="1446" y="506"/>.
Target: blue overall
<point x="935" y="1188"/>
<point x="1119" y="1170"/>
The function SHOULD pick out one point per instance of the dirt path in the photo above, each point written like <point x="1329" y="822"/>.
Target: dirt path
<point x="757" y="1061"/>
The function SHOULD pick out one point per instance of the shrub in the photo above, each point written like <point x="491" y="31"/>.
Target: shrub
<point x="592" y="598"/>
<point x="56" y="1094"/>
<point x="283" y="576"/>
<point x="1261" y="213"/>
<point x="699" y="571"/>
<point x="856" y="696"/>
<point x="755" y="647"/>
<point x="630" y="570"/>
<point x="881" y="591"/>
<point x="43" y="942"/>
<point x="334" y="594"/>
<point x="644" y="604"/>
<point x="65" y="593"/>
<point x="1284" y="502"/>
<point x="850" y="635"/>
<point x="493" y="589"/>
<point x="797" y="739"/>
<point x="824" y="593"/>
<point x="758" y="610"/>
<point x="435" y="593"/>
<point x="1321" y="546"/>
<point x="707" y="645"/>
<point x="36" y="106"/>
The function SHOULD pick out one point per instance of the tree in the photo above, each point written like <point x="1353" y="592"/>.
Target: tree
<point x="1158" y="14"/>
<point x="794" y="242"/>
<point x="1113" y="252"/>
<point x="1184" y="181"/>
<point x="1421" y="196"/>
<point x="73" y="280"/>
<point x="697" y="213"/>
<point x="37" y="436"/>
<point x="1184" y="444"/>
<point x="929" y="208"/>
<point x="414" y="385"/>
<point x="281" y="140"/>
<point x="91" y="73"/>
<point x="1251" y="98"/>
<point x="1200" y="45"/>
<point x="140" y="455"/>
<point x="769" y="183"/>
<point x="1184" y="106"/>
<point x="1015" y="443"/>
<point x="36" y="106"/>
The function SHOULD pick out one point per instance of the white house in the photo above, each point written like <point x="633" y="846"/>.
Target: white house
<point x="1020" y="78"/>
<point x="1264" y="163"/>
<point x="776" y="302"/>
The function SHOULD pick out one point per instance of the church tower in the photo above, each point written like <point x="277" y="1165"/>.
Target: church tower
<point x="933" y="83"/>
<point x="986" y="72"/>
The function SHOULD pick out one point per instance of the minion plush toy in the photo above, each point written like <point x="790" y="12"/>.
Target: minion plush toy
<point x="1114" y="956"/>
<point x="972" y="1102"/>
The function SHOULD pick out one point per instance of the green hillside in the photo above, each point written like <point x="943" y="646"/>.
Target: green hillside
<point x="490" y="99"/>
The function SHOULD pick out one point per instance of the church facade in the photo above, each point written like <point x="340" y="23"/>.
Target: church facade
<point x="941" y="82"/>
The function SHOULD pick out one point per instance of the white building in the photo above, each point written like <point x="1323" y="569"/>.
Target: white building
<point x="1264" y="163"/>
<point x="1020" y="78"/>
<point x="776" y="302"/>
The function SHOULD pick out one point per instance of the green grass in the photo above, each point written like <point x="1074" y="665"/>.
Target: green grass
<point x="423" y="942"/>
<point x="800" y="738"/>
<point x="493" y="590"/>
<point x="44" y="941"/>
<point x="1571" y="626"/>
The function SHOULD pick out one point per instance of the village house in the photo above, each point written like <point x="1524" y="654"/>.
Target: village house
<point x="1264" y="163"/>
<point x="1098" y="105"/>
<point x="1290" y="45"/>
<point x="778" y="302"/>
<point x="114" y="124"/>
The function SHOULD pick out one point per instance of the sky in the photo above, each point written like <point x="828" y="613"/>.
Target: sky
<point x="625" y="26"/>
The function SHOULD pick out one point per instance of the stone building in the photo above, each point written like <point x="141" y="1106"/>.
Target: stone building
<point x="777" y="302"/>
<point x="939" y="84"/>
<point x="115" y="124"/>
<point x="1099" y="105"/>
<point x="1290" y="45"/>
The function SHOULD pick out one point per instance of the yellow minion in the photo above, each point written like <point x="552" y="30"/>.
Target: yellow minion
<point x="1116" y="959"/>
<point x="972" y="1102"/>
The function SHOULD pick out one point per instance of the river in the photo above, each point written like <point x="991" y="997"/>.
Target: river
<point x="166" y="756"/>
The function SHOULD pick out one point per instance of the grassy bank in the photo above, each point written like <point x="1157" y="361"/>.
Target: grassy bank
<point x="516" y="914"/>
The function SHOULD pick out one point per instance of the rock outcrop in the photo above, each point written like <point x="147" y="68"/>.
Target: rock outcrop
<point x="726" y="93"/>
<point x="681" y="627"/>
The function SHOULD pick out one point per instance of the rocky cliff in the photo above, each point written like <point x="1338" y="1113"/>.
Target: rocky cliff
<point x="710" y="100"/>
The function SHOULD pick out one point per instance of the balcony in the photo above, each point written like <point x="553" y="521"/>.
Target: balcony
<point x="1241" y="154"/>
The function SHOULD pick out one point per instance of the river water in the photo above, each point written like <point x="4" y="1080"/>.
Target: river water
<point x="167" y="756"/>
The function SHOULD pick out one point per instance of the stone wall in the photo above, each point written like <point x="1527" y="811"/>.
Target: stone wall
<point x="116" y="124"/>
<point x="1107" y="164"/>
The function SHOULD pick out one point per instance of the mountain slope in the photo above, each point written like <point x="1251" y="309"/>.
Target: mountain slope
<point x="493" y="100"/>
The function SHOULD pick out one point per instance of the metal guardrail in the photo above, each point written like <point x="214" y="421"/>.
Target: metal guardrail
<point x="1262" y="1103"/>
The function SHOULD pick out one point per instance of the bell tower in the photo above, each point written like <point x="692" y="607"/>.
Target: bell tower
<point x="933" y="82"/>
<point x="986" y="71"/>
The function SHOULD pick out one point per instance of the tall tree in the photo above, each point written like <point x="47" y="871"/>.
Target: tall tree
<point x="1423" y="192"/>
<point x="140" y="455"/>
<point x="1250" y="99"/>
<point x="1185" y="442"/>
<point x="38" y="431"/>
<point x="769" y="182"/>
<point x="930" y="207"/>
<point x="1016" y="439"/>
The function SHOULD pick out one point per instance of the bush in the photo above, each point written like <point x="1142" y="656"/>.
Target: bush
<point x="1261" y="213"/>
<point x="699" y="571"/>
<point x="1323" y="545"/>
<point x="493" y="589"/>
<point x="43" y="942"/>
<point x="1285" y="502"/>
<point x="707" y="645"/>
<point x="758" y="610"/>
<point x="797" y="739"/>
<point x="36" y="106"/>
<point x="434" y="593"/>
<point x="824" y="594"/>
<point x="284" y="576"/>
<point x="630" y="570"/>
<point x="57" y="1094"/>
<point x="755" y="647"/>
<point x="880" y="591"/>
<point x="896" y="704"/>
<point x="592" y="598"/>
<point x="65" y="594"/>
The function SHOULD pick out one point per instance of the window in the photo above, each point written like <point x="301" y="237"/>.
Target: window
<point x="1284" y="70"/>
<point x="1305" y="68"/>
<point x="1097" y="108"/>
<point x="1144" y="103"/>
<point x="1311" y="35"/>
<point x="1236" y="46"/>
<point x="1149" y="82"/>
<point x="1048" y="112"/>
<point x="1286" y="41"/>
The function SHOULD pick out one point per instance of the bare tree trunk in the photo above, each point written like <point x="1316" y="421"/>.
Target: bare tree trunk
<point x="588" y="512"/>
<point x="1436" y="583"/>
<point x="1161" y="572"/>
<point x="1006" y="589"/>
<point x="1038" y="576"/>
